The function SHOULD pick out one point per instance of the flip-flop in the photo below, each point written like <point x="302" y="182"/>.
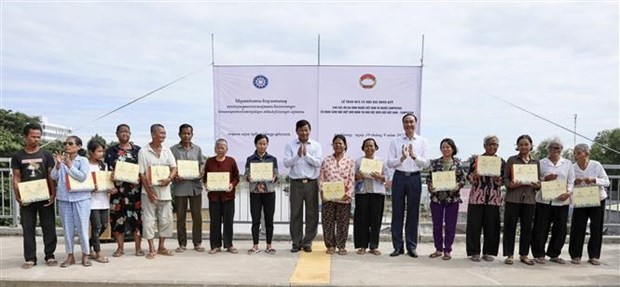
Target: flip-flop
<point x="165" y="252"/>
<point x="342" y="252"/>
<point x="232" y="250"/>
<point x="361" y="251"/>
<point x="118" y="253"/>
<point x="509" y="261"/>
<point x="102" y="259"/>
<point x="28" y="265"/>
<point x="215" y="250"/>
<point x="435" y="254"/>
<point x="374" y="252"/>
<point x="199" y="249"/>
<point x="150" y="255"/>
<point x="51" y="262"/>
<point x="270" y="251"/>
<point x="253" y="251"/>
<point x="66" y="263"/>
<point x="180" y="249"/>
<point x="140" y="253"/>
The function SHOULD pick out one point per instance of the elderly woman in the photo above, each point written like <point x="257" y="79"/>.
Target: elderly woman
<point x="552" y="215"/>
<point x="126" y="204"/>
<point x="338" y="167"/>
<point x="74" y="205"/>
<point x="445" y="203"/>
<point x="222" y="203"/>
<point x="588" y="172"/>
<point x="262" y="194"/>
<point x="485" y="199"/>
<point x="520" y="203"/>
<point x="369" y="201"/>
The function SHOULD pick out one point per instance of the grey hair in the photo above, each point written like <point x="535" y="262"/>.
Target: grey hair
<point x="582" y="147"/>
<point x="154" y="127"/>
<point x="489" y="138"/>
<point x="221" y="141"/>
<point x="554" y="141"/>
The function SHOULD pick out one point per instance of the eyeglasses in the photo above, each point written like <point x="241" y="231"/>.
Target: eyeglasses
<point x="556" y="147"/>
<point x="68" y="143"/>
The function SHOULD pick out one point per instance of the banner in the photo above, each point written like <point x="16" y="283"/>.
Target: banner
<point x="357" y="101"/>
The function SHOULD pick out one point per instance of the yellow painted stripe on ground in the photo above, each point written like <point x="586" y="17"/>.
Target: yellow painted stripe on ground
<point x="312" y="268"/>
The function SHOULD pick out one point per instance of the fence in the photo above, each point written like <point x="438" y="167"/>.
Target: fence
<point x="9" y="211"/>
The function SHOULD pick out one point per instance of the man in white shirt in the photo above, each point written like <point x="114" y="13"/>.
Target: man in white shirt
<point x="303" y="157"/>
<point x="407" y="156"/>
<point x="156" y="196"/>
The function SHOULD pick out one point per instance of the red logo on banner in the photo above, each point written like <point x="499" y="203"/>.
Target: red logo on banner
<point x="368" y="81"/>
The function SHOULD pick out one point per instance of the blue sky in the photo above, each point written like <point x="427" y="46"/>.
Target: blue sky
<point x="74" y="61"/>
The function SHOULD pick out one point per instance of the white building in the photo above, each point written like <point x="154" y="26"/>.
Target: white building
<point x="52" y="132"/>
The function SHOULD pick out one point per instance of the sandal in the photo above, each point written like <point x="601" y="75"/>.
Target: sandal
<point x="232" y="250"/>
<point x="253" y="251"/>
<point x="28" y="264"/>
<point x="150" y="255"/>
<point x="119" y="253"/>
<point x="67" y="263"/>
<point x="446" y="256"/>
<point x="215" y="250"/>
<point x="509" y="261"/>
<point x="270" y="251"/>
<point x="180" y="249"/>
<point x="51" y="262"/>
<point x="165" y="252"/>
<point x="435" y="254"/>
<point x="102" y="259"/>
<point x="199" y="248"/>
<point x="576" y="260"/>
<point x="557" y="260"/>
<point x="475" y="258"/>
<point x="361" y="251"/>
<point x="330" y="250"/>
<point x="526" y="260"/>
<point x="540" y="260"/>
<point x="594" y="261"/>
<point x="139" y="253"/>
<point x="342" y="251"/>
<point x="488" y="258"/>
<point x="374" y="252"/>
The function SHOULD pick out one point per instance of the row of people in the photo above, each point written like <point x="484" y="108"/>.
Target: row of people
<point x="407" y="156"/>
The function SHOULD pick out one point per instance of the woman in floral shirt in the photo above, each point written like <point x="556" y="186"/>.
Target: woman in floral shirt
<point x="445" y="203"/>
<point x="125" y="205"/>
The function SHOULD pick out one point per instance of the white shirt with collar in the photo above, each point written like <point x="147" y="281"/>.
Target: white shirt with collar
<point x="306" y="166"/>
<point x="595" y="170"/>
<point x="148" y="157"/>
<point x="420" y="148"/>
<point x="565" y="171"/>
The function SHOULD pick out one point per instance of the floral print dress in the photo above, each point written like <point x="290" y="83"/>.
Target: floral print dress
<point x="125" y="205"/>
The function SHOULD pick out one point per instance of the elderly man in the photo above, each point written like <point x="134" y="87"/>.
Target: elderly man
<point x="156" y="195"/>
<point x="407" y="155"/>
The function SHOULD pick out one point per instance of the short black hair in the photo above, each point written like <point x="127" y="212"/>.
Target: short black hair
<point x="122" y="125"/>
<point x="184" y="126"/>
<point x="409" y="114"/>
<point x="526" y="137"/>
<point x="260" y="137"/>
<point x="373" y="141"/>
<point x="341" y="137"/>
<point x="301" y="123"/>
<point x="451" y="143"/>
<point x="31" y="126"/>
<point x="93" y="144"/>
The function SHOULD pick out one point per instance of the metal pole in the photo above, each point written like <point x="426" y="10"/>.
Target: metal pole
<point x="575" y="133"/>
<point x="318" y="60"/>
<point x="422" y="53"/>
<point x="212" y="51"/>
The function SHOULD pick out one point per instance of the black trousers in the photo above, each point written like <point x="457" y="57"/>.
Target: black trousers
<point x="368" y="215"/>
<point x="47" y="217"/>
<point x="195" y="207"/>
<point x="578" y="231"/>
<point x="259" y="203"/>
<point x="549" y="217"/>
<point x="98" y="223"/>
<point x="482" y="217"/>
<point x="221" y="211"/>
<point x="524" y="214"/>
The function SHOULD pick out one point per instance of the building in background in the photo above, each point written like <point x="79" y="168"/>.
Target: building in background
<point x="52" y="132"/>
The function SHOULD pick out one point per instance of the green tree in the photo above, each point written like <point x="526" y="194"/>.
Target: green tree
<point x="11" y="125"/>
<point x="541" y="151"/>
<point x="610" y="138"/>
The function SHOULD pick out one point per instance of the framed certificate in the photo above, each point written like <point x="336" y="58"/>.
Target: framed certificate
<point x="371" y="165"/>
<point x="103" y="180"/>
<point x="127" y="172"/>
<point x="489" y="165"/>
<point x="157" y="173"/>
<point x="550" y="190"/>
<point x="261" y="171"/>
<point x="218" y="181"/>
<point x="333" y="190"/>
<point x="586" y="196"/>
<point x="526" y="173"/>
<point x="444" y="180"/>
<point x="33" y="191"/>
<point x="73" y="185"/>
<point x="188" y="169"/>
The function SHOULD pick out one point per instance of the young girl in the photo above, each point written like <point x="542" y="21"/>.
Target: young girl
<point x="100" y="201"/>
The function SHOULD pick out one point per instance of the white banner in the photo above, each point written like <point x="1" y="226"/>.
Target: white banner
<point x="357" y="101"/>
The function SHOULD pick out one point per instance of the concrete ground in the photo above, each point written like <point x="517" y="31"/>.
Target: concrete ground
<point x="192" y="268"/>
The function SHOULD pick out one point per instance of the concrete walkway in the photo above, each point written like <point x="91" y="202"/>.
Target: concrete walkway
<point x="192" y="268"/>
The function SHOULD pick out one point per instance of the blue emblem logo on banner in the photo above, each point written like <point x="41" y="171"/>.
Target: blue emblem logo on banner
<point x="260" y="82"/>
